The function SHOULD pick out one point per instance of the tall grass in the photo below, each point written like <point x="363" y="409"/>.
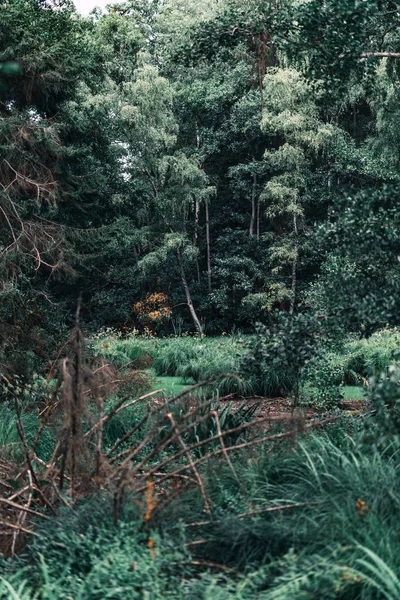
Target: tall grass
<point x="195" y="359"/>
<point x="369" y="357"/>
<point x="192" y="359"/>
<point x="10" y="441"/>
<point x="345" y="539"/>
<point x="338" y="541"/>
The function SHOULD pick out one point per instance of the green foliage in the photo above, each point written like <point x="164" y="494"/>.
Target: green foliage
<point x="360" y="276"/>
<point x="241" y="159"/>
<point x="372" y="356"/>
<point x="384" y="394"/>
<point x="337" y="541"/>
<point x="281" y="352"/>
<point x="82" y="555"/>
<point x="189" y="358"/>
<point x="325" y="376"/>
<point x="10" y="441"/>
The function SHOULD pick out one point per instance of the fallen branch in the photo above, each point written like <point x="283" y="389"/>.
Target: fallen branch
<point x="191" y="463"/>
<point x="238" y="429"/>
<point x="28" y="456"/>
<point x="270" y="438"/>
<point x="119" y="406"/>
<point x="18" y="527"/>
<point x="168" y="439"/>
<point x="252" y="513"/>
<point x="211" y="565"/>
<point x="152" y="413"/>
<point x="23" y="508"/>
<point x="381" y="54"/>
<point x="223" y="447"/>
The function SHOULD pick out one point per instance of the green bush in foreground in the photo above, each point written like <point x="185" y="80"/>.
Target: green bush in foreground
<point x="339" y="541"/>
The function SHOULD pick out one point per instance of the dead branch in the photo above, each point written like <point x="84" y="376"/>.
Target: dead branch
<point x="253" y="513"/>
<point x="238" y="429"/>
<point x="211" y="565"/>
<point x="168" y="440"/>
<point x="270" y="438"/>
<point x="17" y="527"/>
<point x="28" y="457"/>
<point x="23" y="508"/>
<point x="380" y="54"/>
<point x="117" y="408"/>
<point x="147" y="417"/>
<point x="227" y="457"/>
<point x="191" y="463"/>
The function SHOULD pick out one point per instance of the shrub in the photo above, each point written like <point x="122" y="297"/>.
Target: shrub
<point x="153" y="311"/>
<point x="325" y="378"/>
<point x="371" y="356"/>
<point x="276" y="360"/>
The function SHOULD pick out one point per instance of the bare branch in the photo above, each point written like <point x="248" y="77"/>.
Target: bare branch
<point x="379" y="54"/>
<point x="22" y="507"/>
<point x="191" y="463"/>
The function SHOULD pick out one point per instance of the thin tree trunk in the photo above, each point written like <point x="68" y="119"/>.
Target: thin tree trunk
<point x="196" y="222"/>
<point x="196" y="234"/>
<point x="258" y="218"/>
<point x="185" y="217"/>
<point x="189" y="302"/>
<point x="253" y="205"/>
<point x="208" y="247"/>
<point x="294" y="265"/>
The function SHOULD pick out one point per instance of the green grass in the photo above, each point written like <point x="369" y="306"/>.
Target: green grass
<point x="365" y="358"/>
<point x="352" y="392"/>
<point x="177" y="363"/>
<point x="10" y="441"/>
<point x="339" y="542"/>
<point x="172" y="385"/>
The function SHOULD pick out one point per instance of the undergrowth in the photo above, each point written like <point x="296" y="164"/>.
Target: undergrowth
<point x="331" y="532"/>
<point x="188" y="497"/>
<point x="195" y="359"/>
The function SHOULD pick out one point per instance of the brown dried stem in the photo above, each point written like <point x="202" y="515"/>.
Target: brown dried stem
<point x="191" y="463"/>
<point x="270" y="438"/>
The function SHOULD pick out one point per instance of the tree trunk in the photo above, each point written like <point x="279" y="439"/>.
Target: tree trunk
<point x="185" y="218"/>
<point x="189" y="302"/>
<point x="196" y="235"/>
<point x="294" y="265"/>
<point x="253" y="205"/>
<point x="196" y="222"/>
<point x="258" y="218"/>
<point x="208" y="247"/>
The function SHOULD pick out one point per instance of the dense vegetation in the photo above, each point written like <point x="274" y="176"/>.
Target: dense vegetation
<point x="200" y="299"/>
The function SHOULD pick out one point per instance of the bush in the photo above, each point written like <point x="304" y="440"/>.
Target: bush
<point x="275" y="361"/>
<point x="383" y="429"/>
<point x="325" y="376"/>
<point x="83" y="555"/>
<point x="371" y="356"/>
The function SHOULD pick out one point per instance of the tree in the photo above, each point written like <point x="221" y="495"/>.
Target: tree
<point x="47" y="43"/>
<point x="173" y="257"/>
<point x="302" y="140"/>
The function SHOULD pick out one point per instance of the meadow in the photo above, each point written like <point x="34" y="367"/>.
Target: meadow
<point x="176" y="362"/>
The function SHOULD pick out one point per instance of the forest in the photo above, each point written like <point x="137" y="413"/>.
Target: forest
<point x="200" y="300"/>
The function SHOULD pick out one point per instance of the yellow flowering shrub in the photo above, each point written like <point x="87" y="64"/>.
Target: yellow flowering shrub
<point x="153" y="309"/>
